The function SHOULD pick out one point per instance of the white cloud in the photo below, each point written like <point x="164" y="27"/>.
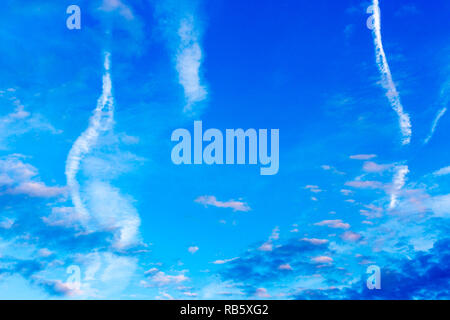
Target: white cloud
<point x="397" y="184"/>
<point x="112" y="211"/>
<point x="322" y="259"/>
<point x="313" y="188"/>
<point x="193" y="249"/>
<point x="267" y="246"/>
<point x="44" y="252"/>
<point x="19" y="178"/>
<point x="351" y="236"/>
<point x="36" y="189"/>
<point x="442" y="171"/>
<point x="286" y="266"/>
<point x="373" y="167"/>
<point x="119" y="7"/>
<point x="335" y="224"/>
<point x="20" y="122"/>
<point x="316" y="241"/>
<point x="225" y="261"/>
<point x="363" y="156"/>
<point x="66" y="217"/>
<point x="163" y="279"/>
<point x="188" y="63"/>
<point x="233" y="204"/>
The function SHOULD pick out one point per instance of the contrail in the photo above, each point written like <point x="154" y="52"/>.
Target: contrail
<point x="99" y="121"/>
<point x="386" y="77"/>
<point x="445" y="99"/>
<point x="435" y="123"/>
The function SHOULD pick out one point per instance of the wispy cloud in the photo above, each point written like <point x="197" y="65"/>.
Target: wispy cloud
<point x="102" y="206"/>
<point x="322" y="259"/>
<point x="315" y="241"/>
<point x="351" y="236"/>
<point x="162" y="279"/>
<point x="397" y="184"/>
<point x="225" y="261"/>
<point x="363" y="156"/>
<point x="19" y="178"/>
<point x="336" y="224"/>
<point x="193" y="249"/>
<point x="386" y="77"/>
<point x="189" y="60"/>
<point x="439" y="115"/>
<point x="442" y="171"/>
<point x="368" y="184"/>
<point x="233" y="204"/>
<point x="313" y="188"/>
<point x="183" y="28"/>
<point x="268" y="245"/>
<point x="118" y="6"/>
<point x="20" y="121"/>
<point x="373" y="167"/>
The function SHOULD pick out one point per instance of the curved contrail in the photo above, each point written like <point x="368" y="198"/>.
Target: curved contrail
<point x="439" y="115"/>
<point x="386" y="77"/>
<point x="99" y="121"/>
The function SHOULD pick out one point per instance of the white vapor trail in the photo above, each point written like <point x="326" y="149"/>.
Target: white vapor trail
<point x="435" y="123"/>
<point x="386" y="78"/>
<point x="100" y="121"/>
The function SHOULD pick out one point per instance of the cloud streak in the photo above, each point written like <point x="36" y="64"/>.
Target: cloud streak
<point x="103" y="206"/>
<point x="386" y="77"/>
<point x="189" y="60"/>
<point x="183" y="31"/>
<point x="233" y="204"/>
<point x="439" y="115"/>
<point x="397" y="184"/>
<point x="100" y="121"/>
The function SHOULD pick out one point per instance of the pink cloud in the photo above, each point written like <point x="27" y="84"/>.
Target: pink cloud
<point x="162" y="279"/>
<point x="233" y="204"/>
<point x="267" y="246"/>
<point x="336" y="224"/>
<point x="262" y="293"/>
<point x="122" y="9"/>
<point x="363" y="156"/>
<point x="44" y="252"/>
<point x="315" y="241"/>
<point x="346" y="192"/>
<point x="365" y="184"/>
<point x="6" y="223"/>
<point x="224" y="261"/>
<point x="193" y="249"/>
<point x="36" y="189"/>
<point x="313" y="188"/>
<point x="322" y="259"/>
<point x="373" y="167"/>
<point x="286" y="266"/>
<point x="65" y="217"/>
<point x="351" y="236"/>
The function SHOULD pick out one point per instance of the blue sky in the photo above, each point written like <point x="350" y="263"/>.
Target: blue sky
<point x="86" y="177"/>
